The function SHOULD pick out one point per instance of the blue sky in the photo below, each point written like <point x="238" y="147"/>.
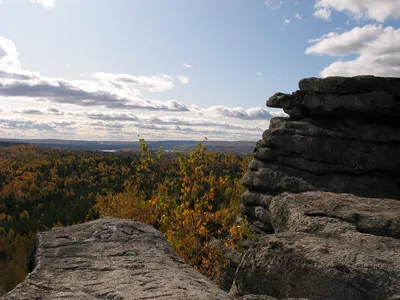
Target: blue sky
<point x="177" y="69"/>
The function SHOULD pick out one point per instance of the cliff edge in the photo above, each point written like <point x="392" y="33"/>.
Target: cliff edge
<point x="323" y="192"/>
<point x="110" y="259"/>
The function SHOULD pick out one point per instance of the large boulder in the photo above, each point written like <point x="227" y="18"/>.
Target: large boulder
<point x="110" y="259"/>
<point x="343" y="136"/>
<point x="326" y="247"/>
<point x="351" y="85"/>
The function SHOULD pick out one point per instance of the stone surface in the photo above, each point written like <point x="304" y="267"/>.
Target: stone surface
<point x="233" y="258"/>
<point x="315" y="104"/>
<point x="336" y="235"/>
<point x="350" y="85"/>
<point x="256" y="297"/>
<point x="326" y="247"/>
<point x="343" y="136"/>
<point x="110" y="259"/>
<point x="264" y="297"/>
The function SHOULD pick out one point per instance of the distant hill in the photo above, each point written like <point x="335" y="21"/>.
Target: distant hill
<point x="237" y="147"/>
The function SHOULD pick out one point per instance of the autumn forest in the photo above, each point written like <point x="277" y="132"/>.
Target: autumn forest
<point x="191" y="197"/>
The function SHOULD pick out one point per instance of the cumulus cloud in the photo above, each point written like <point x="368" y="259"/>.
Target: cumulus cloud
<point x="45" y="3"/>
<point x="349" y="42"/>
<point x="187" y="66"/>
<point x="377" y="49"/>
<point x="183" y="79"/>
<point x="8" y="55"/>
<point x="274" y="4"/>
<point x="322" y="13"/>
<point x="196" y="122"/>
<point x="148" y="120"/>
<point x="104" y="89"/>
<point x="108" y="116"/>
<point x="253" y="113"/>
<point x="285" y="23"/>
<point x="156" y="83"/>
<point x="379" y="10"/>
<point x="7" y="123"/>
<point x="298" y="16"/>
<point x="108" y="105"/>
<point x="35" y="111"/>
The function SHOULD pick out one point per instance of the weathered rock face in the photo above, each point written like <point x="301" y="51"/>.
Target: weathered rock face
<point x="343" y="136"/>
<point x="110" y="259"/>
<point x="326" y="247"/>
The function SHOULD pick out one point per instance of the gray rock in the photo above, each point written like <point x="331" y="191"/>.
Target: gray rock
<point x="256" y="199"/>
<point x="286" y="101"/>
<point x="233" y="258"/>
<point x="330" y="213"/>
<point x="300" y="105"/>
<point x="378" y="133"/>
<point x="274" y="178"/>
<point x="110" y="259"/>
<point x="373" y="103"/>
<point x="256" y="297"/>
<point x="355" y="155"/>
<point x="350" y="85"/>
<point x="328" y="247"/>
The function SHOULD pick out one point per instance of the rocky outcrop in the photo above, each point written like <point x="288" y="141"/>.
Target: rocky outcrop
<point x="343" y="136"/>
<point x="326" y="247"/>
<point x="110" y="259"/>
<point x="323" y="190"/>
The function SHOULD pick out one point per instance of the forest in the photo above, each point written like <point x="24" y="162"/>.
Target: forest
<point x="191" y="197"/>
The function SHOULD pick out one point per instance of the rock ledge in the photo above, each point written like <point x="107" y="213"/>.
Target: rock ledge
<point x="110" y="259"/>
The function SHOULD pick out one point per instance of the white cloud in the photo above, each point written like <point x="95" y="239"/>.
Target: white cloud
<point x="349" y="42"/>
<point x="8" y="55"/>
<point x="379" y="10"/>
<point x="298" y="16"/>
<point x="377" y="49"/>
<point x="253" y="113"/>
<point x="156" y="83"/>
<point x="183" y="79"/>
<point x="103" y="89"/>
<point x="36" y="111"/>
<point x="110" y="106"/>
<point x="45" y="3"/>
<point x="274" y="4"/>
<point x="285" y="23"/>
<point x="187" y="66"/>
<point x="322" y="13"/>
<point x="259" y="73"/>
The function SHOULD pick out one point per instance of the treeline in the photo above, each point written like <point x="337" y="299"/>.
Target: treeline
<point x="190" y="197"/>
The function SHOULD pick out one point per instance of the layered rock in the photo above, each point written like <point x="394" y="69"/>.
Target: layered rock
<point x="324" y="189"/>
<point x="110" y="259"/>
<point x="343" y="136"/>
<point x="326" y="247"/>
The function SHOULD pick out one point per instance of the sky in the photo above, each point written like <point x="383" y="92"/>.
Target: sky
<point x="177" y="69"/>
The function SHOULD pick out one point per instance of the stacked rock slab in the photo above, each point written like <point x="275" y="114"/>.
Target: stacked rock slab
<point x="324" y="188"/>
<point x="343" y="136"/>
<point x="327" y="246"/>
<point x="110" y="259"/>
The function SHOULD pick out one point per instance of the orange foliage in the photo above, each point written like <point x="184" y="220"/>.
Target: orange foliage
<point x="189" y="208"/>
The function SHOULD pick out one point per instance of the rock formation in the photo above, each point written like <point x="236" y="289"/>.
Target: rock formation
<point x="326" y="247"/>
<point x="343" y="136"/>
<point x="110" y="259"/>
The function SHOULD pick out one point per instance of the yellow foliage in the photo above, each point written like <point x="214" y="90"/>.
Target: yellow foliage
<point x="189" y="209"/>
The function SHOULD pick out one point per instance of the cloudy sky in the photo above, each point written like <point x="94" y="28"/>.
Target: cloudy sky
<point x="177" y="69"/>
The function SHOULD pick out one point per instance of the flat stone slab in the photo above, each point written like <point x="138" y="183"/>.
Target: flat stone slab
<point x="350" y="85"/>
<point x="327" y="247"/>
<point x="111" y="259"/>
